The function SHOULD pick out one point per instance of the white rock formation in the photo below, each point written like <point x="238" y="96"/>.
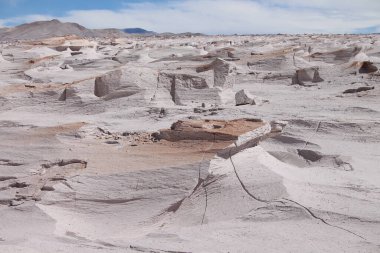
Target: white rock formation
<point x="244" y="98"/>
<point x="125" y="82"/>
<point x="304" y="76"/>
<point x="186" y="89"/>
<point x="68" y="93"/>
<point x="224" y="73"/>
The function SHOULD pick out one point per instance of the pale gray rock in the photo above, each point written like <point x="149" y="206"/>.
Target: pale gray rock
<point x="68" y="93"/>
<point x="224" y="72"/>
<point x="188" y="89"/>
<point x="244" y="98"/>
<point x="304" y="76"/>
<point x="124" y="82"/>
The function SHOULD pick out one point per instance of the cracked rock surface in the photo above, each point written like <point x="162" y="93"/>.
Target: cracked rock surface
<point x="148" y="144"/>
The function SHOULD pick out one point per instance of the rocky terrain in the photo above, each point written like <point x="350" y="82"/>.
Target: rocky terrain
<point x="184" y="143"/>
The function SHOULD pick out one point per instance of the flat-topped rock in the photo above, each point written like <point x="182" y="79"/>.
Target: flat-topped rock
<point x="210" y="130"/>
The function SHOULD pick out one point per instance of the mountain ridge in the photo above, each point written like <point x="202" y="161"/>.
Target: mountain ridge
<point x="56" y="28"/>
<point x="137" y="30"/>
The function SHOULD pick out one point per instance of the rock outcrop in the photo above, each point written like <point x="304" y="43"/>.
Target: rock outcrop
<point x="303" y="76"/>
<point x="224" y="73"/>
<point x="336" y="57"/>
<point x="360" y="89"/>
<point x="106" y="84"/>
<point x="124" y="82"/>
<point x="68" y="93"/>
<point x="210" y="130"/>
<point x="244" y="98"/>
<point x="367" y="67"/>
<point x="188" y="89"/>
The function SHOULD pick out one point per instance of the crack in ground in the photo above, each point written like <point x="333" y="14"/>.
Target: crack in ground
<point x="303" y="207"/>
<point x="322" y="220"/>
<point x="205" y="210"/>
<point x="241" y="182"/>
<point x="201" y="183"/>
<point x="204" y="186"/>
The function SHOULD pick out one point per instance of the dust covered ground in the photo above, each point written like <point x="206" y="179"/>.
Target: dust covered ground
<point x="190" y="144"/>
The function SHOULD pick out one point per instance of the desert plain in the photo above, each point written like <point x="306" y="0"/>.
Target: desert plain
<point x="189" y="143"/>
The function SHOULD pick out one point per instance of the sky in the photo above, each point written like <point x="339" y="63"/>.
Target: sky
<point x="204" y="16"/>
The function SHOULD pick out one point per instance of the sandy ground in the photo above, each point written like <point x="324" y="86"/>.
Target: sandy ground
<point x="82" y="173"/>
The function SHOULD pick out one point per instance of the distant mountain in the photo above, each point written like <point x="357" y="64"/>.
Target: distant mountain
<point x="108" y="32"/>
<point x="44" y="29"/>
<point x="185" y="34"/>
<point x="55" y="28"/>
<point x="138" y="31"/>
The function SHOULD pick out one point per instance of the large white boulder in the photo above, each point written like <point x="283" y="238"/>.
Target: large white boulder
<point x="187" y="89"/>
<point x="107" y="83"/>
<point x="224" y="73"/>
<point x="125" y="82"/>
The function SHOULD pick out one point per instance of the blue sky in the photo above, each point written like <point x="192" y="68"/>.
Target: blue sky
<point x="13" y="8"/>
<point x="206" y="16"/>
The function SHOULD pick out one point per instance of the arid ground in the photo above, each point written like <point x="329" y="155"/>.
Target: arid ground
<point x="184" y="143"/>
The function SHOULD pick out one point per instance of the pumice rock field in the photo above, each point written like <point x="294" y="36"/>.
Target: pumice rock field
<point x="188" y="143"/>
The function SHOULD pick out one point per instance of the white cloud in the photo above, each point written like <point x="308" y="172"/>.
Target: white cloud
<point x="327" y="4"/>
<point x="233" y="16"/>
<point x="28" y="18"/>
